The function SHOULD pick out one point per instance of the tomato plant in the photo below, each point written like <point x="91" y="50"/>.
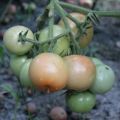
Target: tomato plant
<point x="16" y="62"/>
<point x="86" y="39"/>
<point x="81" y="72"/>
<point x="48" y="72"/>
<point x="104" y="81"/>
<point x="24" y="74"/>
<point x="12" y="43"/>
<point x="61" y="46"/>
<point x="81" y="101"/>
<point x="46" y="69"/>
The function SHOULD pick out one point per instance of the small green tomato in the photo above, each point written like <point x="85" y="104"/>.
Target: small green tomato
<point x="81" y="101"/>
<point x="16" y="63"/>
<point x="61" y="47"/>
<point x="105" y="78"/>
<point x="96" y="61"/>
<point x="24" y="74"/>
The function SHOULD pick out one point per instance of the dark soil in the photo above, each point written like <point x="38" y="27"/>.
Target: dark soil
<point x="104" y="46"/>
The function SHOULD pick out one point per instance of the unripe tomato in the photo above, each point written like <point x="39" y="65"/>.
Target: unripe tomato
<point x="82" y="72"/>
<point x="61" y="47"/>
<point x="96" y="61"/>
<point x="16" y="63"/>
<point x="86" y="39"/>
<point x="11" y="42"/>
<point x="24" y="74"/>
<point x="48" y="72"/>
<point x="81" y="101"/>
<point x="104" y="81"/>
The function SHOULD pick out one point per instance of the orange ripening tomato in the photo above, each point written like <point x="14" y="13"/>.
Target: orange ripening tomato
<point x="48" y="72"/>
<point x="86" y="39"/>
<point x="82" y="72"/>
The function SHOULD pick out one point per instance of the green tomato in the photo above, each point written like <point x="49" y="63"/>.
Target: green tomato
<point x="80" y="101"/>
<point x="24" y="74"/>
<point x="16" y="62"/>
<point x="96" y="61"/>
<point x="104" y="81"/>
<point x="11" y="42"/>
<point x="61" y="47"/>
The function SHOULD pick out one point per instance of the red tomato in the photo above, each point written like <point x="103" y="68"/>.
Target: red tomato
<point x="82" y="72"/>
<point x="48" y="72"/>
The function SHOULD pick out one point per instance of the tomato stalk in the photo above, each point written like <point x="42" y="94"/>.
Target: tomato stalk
<point x="41" y="20"/>
<point x="63" y="16"/>
<point x="51" y="23"/>
<point x="75" y="8"/>
<point x="43" y="42"/>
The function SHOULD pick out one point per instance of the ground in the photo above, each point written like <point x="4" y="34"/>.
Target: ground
<point x="106" y="47"/>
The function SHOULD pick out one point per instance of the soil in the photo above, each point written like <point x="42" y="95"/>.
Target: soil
<point x="105" y="46"/>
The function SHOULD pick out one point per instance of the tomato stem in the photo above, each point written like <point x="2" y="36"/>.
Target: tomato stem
<point x="75" y="8"/>
<point x="49" y="40"/>
<point x="62" y="14"/>
<point x="51" y="23"/>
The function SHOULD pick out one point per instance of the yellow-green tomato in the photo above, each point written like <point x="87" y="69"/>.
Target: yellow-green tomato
<point x="24" y="74"/>
<point x="16" y="62"/>
<point x="96" y="61"/>
<point x="80" y="101"/>
<point x="86" y="39"/>
<point x="61" y="47"/>
<point x="105" y="78"/>
<point x="12" y="43"/>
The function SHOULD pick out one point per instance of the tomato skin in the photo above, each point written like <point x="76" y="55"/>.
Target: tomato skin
<point x="62" y="45"/>
<point x="82" y="72"/>
<point x="24" y="74"/>
<point x="11" y="42"/>
<point x="81" y="101"/>
<point x="96" y="61"/>
<point x="86" y="39"/>
<point x="16" y="62"/>
<point x="104" y="81"/>
<point x="48" y="72"/>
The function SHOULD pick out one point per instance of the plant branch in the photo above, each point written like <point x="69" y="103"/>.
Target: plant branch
<point x="41" y="20"/>
<point x="67" y="26"/>
<point x="75" y="8"/>
<point x="43" y="42"/>
<point x="76" y="21"/>
<point x="51" y="23"/>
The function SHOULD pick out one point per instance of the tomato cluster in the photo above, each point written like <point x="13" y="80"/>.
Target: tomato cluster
<point x="54" y="70"/>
